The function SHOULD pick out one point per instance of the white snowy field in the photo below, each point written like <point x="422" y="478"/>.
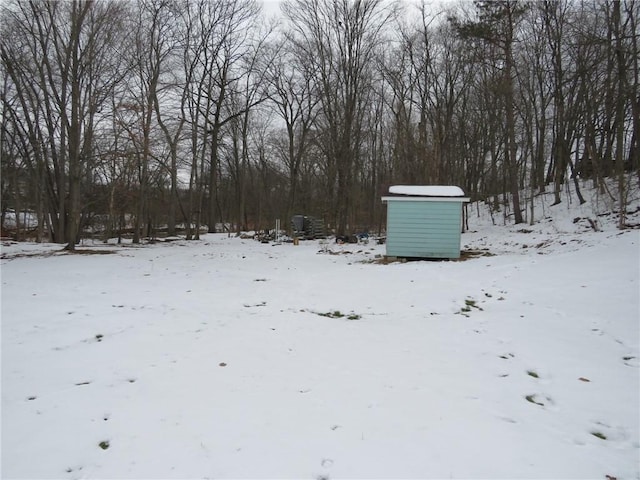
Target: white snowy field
<point x="229" y="358"/>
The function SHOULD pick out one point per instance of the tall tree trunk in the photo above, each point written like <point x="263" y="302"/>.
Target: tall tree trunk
<point x="512" y="160"/>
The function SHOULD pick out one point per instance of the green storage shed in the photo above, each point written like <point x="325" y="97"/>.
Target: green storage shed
<point x="424" y="221"/>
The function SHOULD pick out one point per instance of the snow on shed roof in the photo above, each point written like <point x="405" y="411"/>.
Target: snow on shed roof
<point x="426" y="190"/>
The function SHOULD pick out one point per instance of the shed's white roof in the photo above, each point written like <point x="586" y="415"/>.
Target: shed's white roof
<point x="427" y="190"/>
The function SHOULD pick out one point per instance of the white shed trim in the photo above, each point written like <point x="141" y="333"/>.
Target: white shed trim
<point x="425" y="199"/>
<point x="426" y="190"/>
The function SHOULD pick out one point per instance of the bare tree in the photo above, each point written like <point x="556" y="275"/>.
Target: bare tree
<point x="496" y="25"/>
<point x="533" y="63"/>
<point x="337" y="41"/>
<point x="153" y="48"/>
<point x="62" y="59"/>
<point x="295" y="102"/>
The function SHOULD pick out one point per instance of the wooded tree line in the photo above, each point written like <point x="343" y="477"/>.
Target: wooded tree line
<point x="136" y="116"/>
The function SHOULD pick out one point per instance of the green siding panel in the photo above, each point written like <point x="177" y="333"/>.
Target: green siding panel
<point x="424" y="229"/>
<point x="420" y="225"/>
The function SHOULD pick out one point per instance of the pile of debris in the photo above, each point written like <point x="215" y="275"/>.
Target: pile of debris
<point x="307" y="227"/>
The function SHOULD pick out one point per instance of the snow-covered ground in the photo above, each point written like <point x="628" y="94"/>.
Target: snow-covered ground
<point x="229" y="358"/>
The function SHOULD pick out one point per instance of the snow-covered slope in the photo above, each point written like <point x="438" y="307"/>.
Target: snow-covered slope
<point x="228" y="358"/>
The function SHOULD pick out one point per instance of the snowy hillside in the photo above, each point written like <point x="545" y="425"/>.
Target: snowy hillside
<point x="229" y="358"/>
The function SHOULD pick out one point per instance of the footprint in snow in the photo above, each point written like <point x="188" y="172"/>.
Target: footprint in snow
<point x="326" y="462"/>
<point x="604" y="431"/>
<point x="539" y="400"/>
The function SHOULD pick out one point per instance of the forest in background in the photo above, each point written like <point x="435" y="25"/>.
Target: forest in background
<point x="178" y="117"/>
